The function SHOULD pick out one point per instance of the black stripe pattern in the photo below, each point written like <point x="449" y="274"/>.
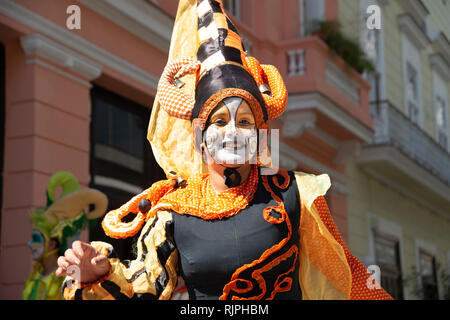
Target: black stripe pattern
<point x="215" y="45"/>
<point x="119" y="287"/>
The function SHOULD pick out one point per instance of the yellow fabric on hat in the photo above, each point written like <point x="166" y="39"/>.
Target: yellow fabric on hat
<point x="171" y="138"/>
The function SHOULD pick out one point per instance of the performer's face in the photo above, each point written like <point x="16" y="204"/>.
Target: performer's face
<point x="231" y="134"/>
<point x="37" y="245"/>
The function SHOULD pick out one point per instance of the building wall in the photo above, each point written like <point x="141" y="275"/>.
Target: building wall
<point x="126" y="55"/>
<point x="48" y="109"/>
<point x="373" y="199"/>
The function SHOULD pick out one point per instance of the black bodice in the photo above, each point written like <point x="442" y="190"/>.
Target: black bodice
<point x="212" y="251"/>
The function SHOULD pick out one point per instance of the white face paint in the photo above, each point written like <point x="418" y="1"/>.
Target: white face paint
<point x="37" y="245"/>
<point x="232" y="139"/>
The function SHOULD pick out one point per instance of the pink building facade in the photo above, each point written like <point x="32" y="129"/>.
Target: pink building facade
<point x="79" y="100"/>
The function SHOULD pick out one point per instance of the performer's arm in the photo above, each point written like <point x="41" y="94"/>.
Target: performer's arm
<point x="360" y="289"/>
<point x="152" y="275"/>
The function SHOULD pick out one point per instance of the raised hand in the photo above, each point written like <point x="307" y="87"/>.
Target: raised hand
<point x="92" y="264"/>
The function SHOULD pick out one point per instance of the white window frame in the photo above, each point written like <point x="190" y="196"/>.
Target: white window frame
<point x="411" y="56"/>
<point x="431" y="248"/>
<point x="303" y="18"/>
<point x="380" y="63"/>
<point x="395" y="230"/>
<point x="440" y="92"/>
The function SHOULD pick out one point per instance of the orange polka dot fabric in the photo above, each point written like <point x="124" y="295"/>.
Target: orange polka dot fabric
<point x="112" y="223"/>
<point x="269" y="75"/>
<point x="200" y="199"/>
<point x="362" y="287"/>
<point x="173" y="99"/>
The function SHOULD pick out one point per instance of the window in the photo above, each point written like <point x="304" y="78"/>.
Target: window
<point x="387" y="255"/>
<point x="2" y="119"/>
<point x="412" y="94"/>
<point x="440" y="109"/>
<point x="233" y="7"/>
<point x="372" y="49"/>
<point x="372" y="45"/>
<point x="296" y="62"/>
<point x="311" y="12"/>
<point x="412" y="81"/>
<point x="428" y="275"/>
<point x="122" y="163"/>
<point x="441" y="122"/>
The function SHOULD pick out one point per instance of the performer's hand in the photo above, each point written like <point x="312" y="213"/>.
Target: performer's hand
<point x="92" y="264"/>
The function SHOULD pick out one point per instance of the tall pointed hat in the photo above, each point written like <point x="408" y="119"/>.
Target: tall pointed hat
<point x="207" y="63"/>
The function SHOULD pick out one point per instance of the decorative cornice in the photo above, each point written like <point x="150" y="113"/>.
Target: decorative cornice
<point x="384" y="2"/>
<point x="414" y="33"/>
<point x="442" y="45"/>
<point x="338" y="79"/>
<point x="416" y="9"/>
<point x="70" y="40"/>
<point x="348" y="150"/>
<point x="290" y="155"/>
<point x="40" y="46"/>
<point x="402" y="163"/>
<point x="139" y="17"/>
<point x="311" y="101"/>
<point x="295" y="122"/>
<point x="439" y="65"/>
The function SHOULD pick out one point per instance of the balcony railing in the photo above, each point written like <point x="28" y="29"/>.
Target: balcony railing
<point x="392" y="127"/>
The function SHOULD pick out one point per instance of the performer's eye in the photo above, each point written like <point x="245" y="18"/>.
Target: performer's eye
<point x="220" y="122"/>
<point x="245" y="122"/>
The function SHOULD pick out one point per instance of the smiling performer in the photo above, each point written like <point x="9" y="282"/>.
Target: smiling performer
<point x="220" y="221"/>
<point x="53" y="226"/>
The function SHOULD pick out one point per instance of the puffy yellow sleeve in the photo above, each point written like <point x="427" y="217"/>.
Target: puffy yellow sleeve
<point x="328" y="270"/>
<point x="152" y="275"/>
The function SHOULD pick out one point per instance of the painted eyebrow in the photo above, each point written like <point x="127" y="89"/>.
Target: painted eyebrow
<point x="246" y="113"/>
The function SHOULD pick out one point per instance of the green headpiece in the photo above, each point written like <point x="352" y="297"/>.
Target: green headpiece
<point x="65" y="216"/>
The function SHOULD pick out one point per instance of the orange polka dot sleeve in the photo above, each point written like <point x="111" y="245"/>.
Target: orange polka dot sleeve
<point x="360" y="276"/>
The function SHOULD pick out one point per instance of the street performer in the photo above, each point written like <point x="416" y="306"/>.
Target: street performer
<point x="226" y="221"/>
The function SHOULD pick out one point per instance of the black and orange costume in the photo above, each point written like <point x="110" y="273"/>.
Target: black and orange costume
<point x="271" y="237"/>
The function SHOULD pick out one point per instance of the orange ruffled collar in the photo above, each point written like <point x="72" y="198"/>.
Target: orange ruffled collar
<point x="200" y="199"/>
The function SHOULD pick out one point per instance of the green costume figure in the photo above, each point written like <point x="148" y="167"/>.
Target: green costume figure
<point x="53" y="226"/>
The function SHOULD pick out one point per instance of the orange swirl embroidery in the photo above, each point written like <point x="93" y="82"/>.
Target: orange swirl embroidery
<point x="283" y="283"/>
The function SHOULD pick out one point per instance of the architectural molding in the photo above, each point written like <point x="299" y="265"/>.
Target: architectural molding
<point x="405" y="165"/>
<point x="319" y="102"/>
<point x="290" y="155"/>
<point x="417" y="10"/>
<point x="347" y="151"/>
<point x="384" y="2"/>
<point x="414" y="33"/>
<point x="341" y="81"/>
<point x="71" y="40"/>
<point x="139" y="17"/>
<point x="325" y="137"/>
<point x="402" y="190"/>
<point x="295" y="122"/>
<point x="408" y="167"/>
<point x="40" y="46"/>
<point x="117" y="184"/>
<point x="439" y="65"/>
<point x="59" y="71"/>
<point x="441" y="44"/>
